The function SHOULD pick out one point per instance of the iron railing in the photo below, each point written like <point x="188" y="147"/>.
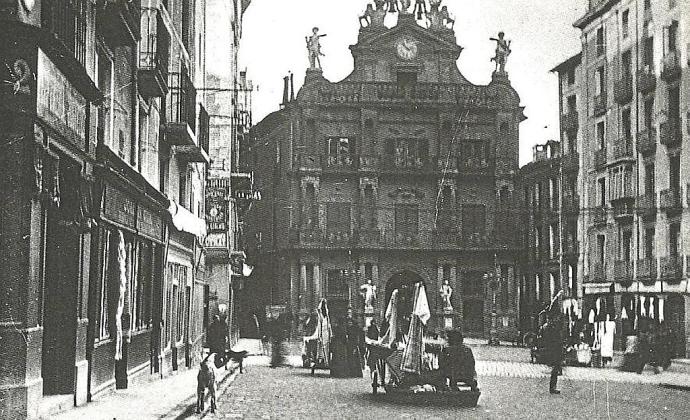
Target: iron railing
<point x="154" y="49"/>
<point x="66" y="19"/>
<point x="180" y="104"/>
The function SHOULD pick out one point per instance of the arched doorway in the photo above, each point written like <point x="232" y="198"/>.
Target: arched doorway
<point x="404" y="282"/>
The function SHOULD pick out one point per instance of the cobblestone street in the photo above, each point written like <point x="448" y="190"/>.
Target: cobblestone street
<point x="291" y="392"/>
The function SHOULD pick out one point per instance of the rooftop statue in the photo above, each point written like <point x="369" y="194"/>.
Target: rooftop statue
<point x="374" y="17"/>
<point x="439" y="19"/>
<point x="420" y="8"/>
<point x="502" y="52"/>
<point x="392" y="6"/>
<point x="314" y="48"/>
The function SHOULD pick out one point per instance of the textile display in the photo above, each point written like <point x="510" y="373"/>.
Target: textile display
<point x="122" y="265"/>
<point x="392" y="317"/>
<point x="412" y="356"/>
<point x="324" y="332"/>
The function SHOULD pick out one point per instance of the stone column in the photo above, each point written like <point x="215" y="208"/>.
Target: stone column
<point x="294" y="290"/>
<point x="317" y="284"/>
<point x="303" y="288"/>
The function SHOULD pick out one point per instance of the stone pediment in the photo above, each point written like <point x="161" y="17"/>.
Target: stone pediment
<point x="437" y="40"/>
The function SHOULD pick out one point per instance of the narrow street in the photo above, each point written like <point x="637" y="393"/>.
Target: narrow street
<point x="291" y="392"/>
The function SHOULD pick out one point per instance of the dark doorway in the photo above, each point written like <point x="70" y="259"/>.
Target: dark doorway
<point x="62" y="267"/>
<point x="675" y="316"/>
<point x="473" y="317"/>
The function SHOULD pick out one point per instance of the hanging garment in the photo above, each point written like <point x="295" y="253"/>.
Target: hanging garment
<point x="591" y="316"/>
<point x="624" y="314"/>
<point x="661" y="309"/>
<point x="412" y="356"/>
<point x="598" y="306"/>
<point x="607" y="336"/>
<point x="651" y="307"/>
<point x="391" y="335"/>
<point x="643" y="311"/>
<point x="122" y="267"/>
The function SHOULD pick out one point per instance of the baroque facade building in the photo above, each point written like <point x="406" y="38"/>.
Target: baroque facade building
<point x="104" y="154"/>
<point x="402" y="172"/>
<point x="629" y="103"/>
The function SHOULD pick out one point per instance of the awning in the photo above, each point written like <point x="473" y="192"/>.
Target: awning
<point x="597" y="288"/>
<point x="185" y="221"/>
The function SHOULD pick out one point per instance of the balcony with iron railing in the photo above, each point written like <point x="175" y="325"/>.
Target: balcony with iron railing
<point x="623" y="149"/>
<point x="338" y="164"/>
<point x="622" y="271"/>
<point x="671" y="201"/>
<point x="624" y="208"/>
<point x="154" y="54"/>
<point x="406" y="164"/>
<point x="647" y="269"/>
<point x="599" y="104"/>
<point x="646" y="205"/>
<point x="673" y="268"/>
<point x="120" y="21"/>
<point x="597" y="272"/>
<point x="646" y="141"/>
<point x="180" y="110"/>
<point x="623" y="89"/>
<point x="571" y="121"/>
<point x="646" y="79"/>
<point x="67" y="20"/>
<point x="600" y="159"/>
<point x="670" y="133"/>
<point x="599" y="216"/>
<point x="671" y="66"/>
<point x="475" y="166"/>
<point x="198" y="152"/>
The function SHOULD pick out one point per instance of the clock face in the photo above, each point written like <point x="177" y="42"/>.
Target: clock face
<point x="407" y="48"/>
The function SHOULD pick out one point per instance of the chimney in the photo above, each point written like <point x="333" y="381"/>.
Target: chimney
<point x="292" y="87"/>
<point x="286" y="86"/>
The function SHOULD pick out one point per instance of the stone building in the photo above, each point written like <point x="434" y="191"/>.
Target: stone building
<point x="402" y="172"/>
<point x="550" y="233"/>
<point x="634" y="129"/>
<point x="102" y="170"/>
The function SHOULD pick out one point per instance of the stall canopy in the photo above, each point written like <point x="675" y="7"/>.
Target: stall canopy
<point x="186" y="221"/>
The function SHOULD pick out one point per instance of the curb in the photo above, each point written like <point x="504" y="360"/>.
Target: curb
<point x="675" y="386"/>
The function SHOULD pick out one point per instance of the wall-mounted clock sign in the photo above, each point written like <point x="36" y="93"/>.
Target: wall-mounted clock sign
<point x="407" y="48"/>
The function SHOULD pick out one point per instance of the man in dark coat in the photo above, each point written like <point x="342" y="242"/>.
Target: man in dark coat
<point x="553" y="348"/>
<point x="217" y="334"/>
<point x="456" y="362"/>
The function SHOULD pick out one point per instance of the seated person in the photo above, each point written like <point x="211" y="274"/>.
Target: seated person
<point x="456" y="362"/>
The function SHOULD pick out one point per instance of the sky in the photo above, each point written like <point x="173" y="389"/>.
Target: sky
<point x="541" y="32"/>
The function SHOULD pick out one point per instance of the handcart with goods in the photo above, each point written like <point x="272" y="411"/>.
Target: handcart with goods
<point x="420" y="370"/>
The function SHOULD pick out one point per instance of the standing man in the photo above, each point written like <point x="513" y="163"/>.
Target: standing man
<point x="217" y="333"/>
<point x="553" y="348"/>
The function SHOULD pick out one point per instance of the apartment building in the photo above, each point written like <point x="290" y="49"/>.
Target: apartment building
<point x="633" y="133"/>
<point x="103" y="165"/>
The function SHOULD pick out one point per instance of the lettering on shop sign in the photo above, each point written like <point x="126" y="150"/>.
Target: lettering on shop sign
<point x="118" y="207"/>
<point x="149" y="223"/>
<point x="59" y="103"/>
<point x="217" y="240"/>
<point x="217" y="216"/>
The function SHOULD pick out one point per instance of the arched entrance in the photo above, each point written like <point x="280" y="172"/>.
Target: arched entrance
<point x="404" y="281"/>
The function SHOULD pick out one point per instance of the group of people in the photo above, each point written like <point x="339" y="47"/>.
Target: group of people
<point x="654" y="348"/>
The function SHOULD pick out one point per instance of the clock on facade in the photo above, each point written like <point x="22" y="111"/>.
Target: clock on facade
<point x="407" y="48"/>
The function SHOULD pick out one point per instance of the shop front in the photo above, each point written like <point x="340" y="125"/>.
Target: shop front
<point x="126" y="294"/>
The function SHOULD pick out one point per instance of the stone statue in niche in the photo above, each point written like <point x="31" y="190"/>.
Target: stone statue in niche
<point x="502" y="52"/>
<point x="446" y="293"/>
<point x="314" y="48"/>
<point x="368" y="292"/>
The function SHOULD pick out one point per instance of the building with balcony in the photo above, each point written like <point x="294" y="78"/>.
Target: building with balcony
<point x="402" y="172"/>
<point x="230" y="184"/>
<point x="551" y="208"/>
<point x="633" y="233"/>
<point x="100" y="249"/>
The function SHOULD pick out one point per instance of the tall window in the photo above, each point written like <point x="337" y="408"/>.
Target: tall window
<point x="626" y="246"/>
<point x="626" y="64"/>
<point x="338" y="150"/>
<point x="600" y="42"/>
<point x="648" y="54"/>
<point x="600" y="82"/>
<point x="369" y="209"/>
<point x="675" y="240"/>
<point x="474" y="221"/>
<point x="672" y="36"/>
<point x="601" y="135"/>
<point x="601" y="249"/>
<point x="649" y="113"/>
<point x="311" y="217"/>
<point x="105" y="80"/>
<point x="338" y="218"/>
<point x="625" y="23"/>
<point x="571" y="104"/>
<point x="571" y="76"/>
<point x="627" y="128"/>
<point x="649" y="182"/>
<point x="445" y="213"/>
<point x="649" y="243"/>
<point x="674" y="173"/>
<point x="406" y="219"/>
<point x="601" y="186"/>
